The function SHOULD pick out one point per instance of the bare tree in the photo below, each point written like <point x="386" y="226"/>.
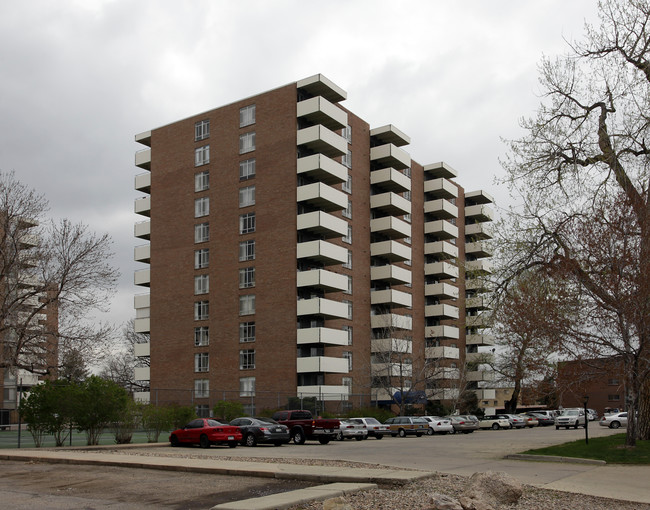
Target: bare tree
<point x="53" y="275"/>
<point x="586" y="151"/>
<point x="120" y="365"/>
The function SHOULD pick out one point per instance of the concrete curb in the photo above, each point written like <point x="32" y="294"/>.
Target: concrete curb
<point x="555" y="458"/>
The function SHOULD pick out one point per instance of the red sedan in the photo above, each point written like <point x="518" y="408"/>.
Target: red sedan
<point x="206" y="432"/>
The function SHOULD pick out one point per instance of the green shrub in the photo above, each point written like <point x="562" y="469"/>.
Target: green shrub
<point x="379" y="414"/>
<point x="228" y="410"/>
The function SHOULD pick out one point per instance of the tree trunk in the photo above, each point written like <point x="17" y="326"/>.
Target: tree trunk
<point x="511" y="405"/>
<point x="644" y="411"/>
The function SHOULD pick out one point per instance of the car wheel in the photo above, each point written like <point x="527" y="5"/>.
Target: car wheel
<point x="339" y="436"/>
<point x="277" y="444"/>
<point x="250" y="440"/>
<point x="402" y="433"/>
<point x="204" y="442"/>
<point x="576" y="425"/>
<point x="379" y="436"/>
<point x="430" y="432"/>
<point x="174" y="441"/>
<point x="557" y="427"/>
<point x="323" y="440"/>
<point x="418" y="435"/>
<point x="232" y="444"/>
<point x="359" y="438"/>
<point x="495" y="426"/>
<point x="614" y="425"/>
<point x="298" y="437"/>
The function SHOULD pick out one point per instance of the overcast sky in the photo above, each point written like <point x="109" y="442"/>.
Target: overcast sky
<point x="79" y="78"/>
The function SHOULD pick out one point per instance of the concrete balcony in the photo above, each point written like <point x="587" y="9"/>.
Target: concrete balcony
<point x="441" y="270"/>
<point x="391" y="321"/>
<point x="320" y="139"/>
<point x="144" y="138"/>
<point x="479" y="213"/>
<point x="394" y="369"/>
<point x="328" y="336"/>
<point x="390" y="134"/>
<point x="322" y="279"/>
<point x="478" y="249"/>
<point x="142" y="374"/>
<point x="440" y="209"/>
<point x="480" y="267"/>
<point x="322" y="307"/>
<point x="479" y="231"/>
<point x="396" y="345"/>
<point x="450" y="332"/>
<point x="480" y="340"/>
<point x="142" y="350"/>
<point x="442" y="229"/>
<point x="480" y="375"/>
<point x="478" y="321"/>
<point x="478" y="284"/>
<point x="142" y="325"/>
<point x="322" y="196"/>
<point x="441" y="290"/>
<point x="319" y="110"/>
<point x="394" y="275"/>
<point x="322" y="252"/>
<point x="440" y="170"/>
<point x="142" y="253"/>
<point x="322" y="364"/>
<point x="391" y="227"/>
<point x="391" y="204"/>
<point x="478" y="197"/>
<point x="324" y="392"/>
<point x="26" y="241"/>
<point x="142" y="277"/>
<point x="442" y="352"/>
<point x="391" y="250"/>
<point x="389" y="155"/>
<point x="442" y="373"/>
<point x="477" y="303"/>
<point x="391" y="298"/>
<point x="142" y="396"/>
<point x="479" y="357"/>
<point x="142" y="301"/>
<point x="142" y="230"/>
<point x="143" y="182"/>
<point x="390" y="179"/>
<point x="319" y="85"/>
<point x="323" y="224"/>
<point x="443" y="394"/>
<point x="440" y="188"/>
<point x="143" y="159"/>
<point x="441" y="311"/>
<point x="486" y="394"/>
<point x="441" y="250"/>
<point x="142" y="206"/>
<point x="323" y="169"/>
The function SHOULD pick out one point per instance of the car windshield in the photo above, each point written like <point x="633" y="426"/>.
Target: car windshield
<point x="570" y="412"/>
<point x="267" y="420"/>
<point x="213" y="423"/>
<point x="372" y="421"/>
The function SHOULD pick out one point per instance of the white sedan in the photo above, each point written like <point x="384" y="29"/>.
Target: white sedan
<point x="438" y="425"/>
<point x="614" y="421"/>
<point x="349" y="430"/>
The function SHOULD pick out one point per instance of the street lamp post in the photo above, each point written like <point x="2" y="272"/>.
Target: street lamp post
<point x="585" y="400"/>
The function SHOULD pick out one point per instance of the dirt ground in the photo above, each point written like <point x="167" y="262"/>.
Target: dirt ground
<point x="65" y="486"/>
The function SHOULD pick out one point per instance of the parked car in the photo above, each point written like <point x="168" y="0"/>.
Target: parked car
<point x="438" y="425"/>
<point x="373" y="426"/>
<point x="614" y="421"/>
<point x="206" y="432"/>
<point x="302" y="426"/>
<point x="573" y="417"/>
<point x="542" y="418"/>
<point x="403" y="426"/>
<point x="515" y="421"/>
<point x="492" y="421"/>
<point x="349" y="429"/>
<point x="593" y="415"/>
<point x="261" y="430"/>
<point x="530" y="421"/>
<point x="463" y="423"/>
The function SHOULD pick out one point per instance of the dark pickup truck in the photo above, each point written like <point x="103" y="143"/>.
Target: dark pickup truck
<point x="302" y="425"/>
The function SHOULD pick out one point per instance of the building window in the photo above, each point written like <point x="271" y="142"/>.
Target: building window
<point x="246" y="332"/>
<point x="613" y="382"/>
<point x="247" y="223"/>
<point x="202" y="410"/>
<point x="346" y="160"/>
<point x="347" y="382"/>
<point x="347" y="185"/>
<point x="201" y="284"/>
<point x="346" y="133"/>
<point x="613" y="398"/>
<point x="246" y="169"/>
<point x="348" y="330"/>
<point x="201" y="130"/>
<point x="247" y="359"/>
<point x="201" y="388"/>
<point x="247" y="250"/>
<point x="246" y="386"/>
<point x="246" y="277"/>
<point x="202" y="181"/>
<point x="202" y="155"/>
<point x="348" y="356"/>
<point x="348" y="238"/>
<point x="246" y="196"/>
<point x="201" y="336"/>
<point x="348" y="264"/>
<point x="201" y="258"/>
<point x="201" y="207"/>
<point x="201" y="233"/>
<point x="347" y="213"/>
<point x="349" y="303"/>
<point x="247" y="142"/>
<point x="247" y="304"/>
<point x="247" y="115"/>
<point x="201" y="310"/>
<point x="349" y="291"/>
<point x="201" y="362"/>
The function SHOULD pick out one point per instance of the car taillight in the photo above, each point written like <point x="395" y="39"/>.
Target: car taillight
<point x="264" y="429"/>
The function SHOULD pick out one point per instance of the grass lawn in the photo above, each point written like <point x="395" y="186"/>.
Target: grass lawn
<point x="611" y="449"/>
<point x="9" y="439"/>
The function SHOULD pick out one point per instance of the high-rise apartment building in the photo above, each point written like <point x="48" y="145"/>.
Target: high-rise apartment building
<point x="294" y="250"/>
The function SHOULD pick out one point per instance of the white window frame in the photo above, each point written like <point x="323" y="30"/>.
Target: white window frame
<point x="201" y="258"/>
<point x="247" y="359"/>
<point x="247" y="169"/>
<point x="201" y="336"/>
<point x="247" y="223"/>
<point x="201" y="284"/>
<point x="347" y="185"/>
<point x="247" y="277"/>
<point x="246" y="386"/>
<point x="201" y="310"/>
<point x="201" y="388"/>
<point x="348" y="355"/>
<point x="201" y="232"/>
<point x="346" y="133"/>
<point x="247" y="142"/>
<point x="247" y="250"/>
<point x="348" y="237"/>
<point x="346" y="159"/>
<point x="348" y="264"/>
<point x="247" y="332"/>
<point x="348" y="330"/>
<point x="202" y="180"/>
<point x="247" y="196"/>
<point x="202" y="155"/>
<point x="347" y="212"/>
<point x="247" y="304"/>
<point x="201" y="207"/>
<point x="201" y="130"/>
<point x="201" y="362"/>
<point x="247" y="115"/>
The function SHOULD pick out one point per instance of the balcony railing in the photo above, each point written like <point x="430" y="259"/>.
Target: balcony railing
<point x="440" y="170"/>
<point x="441" y="311"/>
<point x="323" y="224"/>
<point x="391" y="227"/>
<point x="443" y="270"/>
<point x="322" y="279"/>
<point x="143" y="159"/>
<point x="390" y="156"/>
<point x="322" y="196"/>
<point x="320" y="139"/>
<point x="440" y="209"/>
<point x="442" y="229"/>
<point x="323" y="252"/>
<point x="451" y="332"/>
<point x="391" y="203"/>
<point x="441" y="290"/>
<point x="442" y="352"/>
<point x="321" y="335"/>
<point x="391" y="298"/>
<point x="441" y="188"/>
<point x="391" y="250"/>
<point x="390" y="180"/>
<point x="323" y="307"/>
<point x="391" y="274"/>
<point x="143" y="206"/>
<point x="319" y="110"/>
<point x="322" y="168"/>
<point x="390" y="134"/>
<point x="322" y="364"/>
